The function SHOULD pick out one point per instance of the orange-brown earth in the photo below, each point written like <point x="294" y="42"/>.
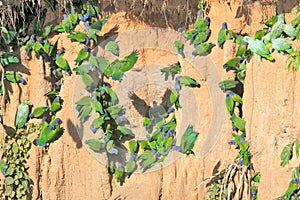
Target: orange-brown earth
<point x="68" y="171"/>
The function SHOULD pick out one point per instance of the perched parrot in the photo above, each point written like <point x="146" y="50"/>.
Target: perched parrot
<point x="202" y="37"/>
<point x="188" y="140"/>
<point x="238" y="122"/>
<point x="132" y="146"/>
<point x="222" y="35"/>
<point x="95" y="144"/>
<point x="148" y="159"/>
<point x="259" y="48"/>
<point x="130" y="167"/>
<point x="82" y="54"/>
<point x="178" y="45"/>
<point x="113" y="47"/>
<point x="187" y="81"/>
<point x="119" y="172"/>
<point x="293" y="186"/>
<point x="228" y="84"/>
<point x="39" y="111"/>
<point x="55" y="106"/>
<point x="203" y="48"/>
<point x="78" y="36"/>
<point x="48" y="135"/>
<point x="22" y="114"/>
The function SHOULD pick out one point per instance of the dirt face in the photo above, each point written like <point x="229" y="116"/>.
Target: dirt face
<point x="68" y="171"/>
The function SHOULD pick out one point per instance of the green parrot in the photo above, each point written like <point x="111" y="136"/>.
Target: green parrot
<point x="228" y="84"/>
<point x="259" y="48"/>
<point x="202" y="48"/>
<point x="82" y="54"/>
<point x="202" y="37"/>
<point x="113" y="47"/>
<point x="281" y="44"/>
<point x="187" y="81"/>
<point x="22" y="114"/>
<point x="38" y="111"/>
<point x="173" y="69"/>
<point x="148" y="159"/>
<point x="55" y="106"/>
<point x="132" y="146"/>
<point x="129" y="61"/>
<point x="78" y="36"/>
<point x="178" y="45"/>
<point x="188" y="140"/>
<point x="222" y="34"/>
<point x="95" y="144"/>
<point x="119" y="172"/>
<point x="49" y="135"/>
<point x="232" y="63"/>
<point x="238" y="122"/>
<point x="130" y="167"/>
<point x="293" y="186"/>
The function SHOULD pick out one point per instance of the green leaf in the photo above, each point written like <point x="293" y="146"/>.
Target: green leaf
<point x="286" y="154"/>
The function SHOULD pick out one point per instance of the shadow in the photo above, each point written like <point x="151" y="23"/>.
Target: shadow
<point x="156" y="112"/>
<point x="216" y="168"/>
<point x="75" y="133"/>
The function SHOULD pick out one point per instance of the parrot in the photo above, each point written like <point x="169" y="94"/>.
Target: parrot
<point x="260" y="34"/>
<point x="232" y="63"/>
<point x="119" y="172"/>
<point x="178" y="45"/>
<point x="222" y="34"/>
<point x="130" y="167"/>
<point x="38" y="111"/>
<point x="228" y="84"/>
<point x="187" y="81"/>
<point x="22" y="114"/>
<point x="82" y="54"/>
<point x="235" y="97"/>
<point x="148" y="159"/>
<point x="62" y="63"/>
<point x="281" y="44"/>
<point x="14" y="77"/>
<point x="132" y="146"/>
<point x="201" y="25"/>
<point x="173" y="69"/>
<point x="202" y="37"/>
<point x="113" y="47"/>
<point x="293" y="186"/>
<point x="174" y="98"/>
<point x="238" y="122"/>
<point x="143" y="144"/>
<point x="188" y="140"/>
<point x="259" y="48"/>
<point x="95" y="144"/>
<point x="129" y="61"/>
<point x="48" y="135"/>
<point x="55" y="106"/>
<point x="202" y="48"/>
<point x="78" y="36"/>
